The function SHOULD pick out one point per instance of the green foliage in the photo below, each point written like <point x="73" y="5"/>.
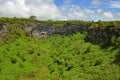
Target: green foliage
<point x="57" y="57"/>
<point x="33" y="17"/>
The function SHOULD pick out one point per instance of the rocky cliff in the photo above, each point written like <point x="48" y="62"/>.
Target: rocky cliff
<point x="3" y="31"/>
<point x="98" y="35"/>
<point x="41" y="31"/>
<point x="95" y="35"/>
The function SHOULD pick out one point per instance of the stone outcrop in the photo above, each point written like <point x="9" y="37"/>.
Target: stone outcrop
<point x="3" y="31"/>
<point x="95" y="34"/>
<point x="98" y="35"/>
<point x="43" y="31"/>
<point x="1" y="27"/>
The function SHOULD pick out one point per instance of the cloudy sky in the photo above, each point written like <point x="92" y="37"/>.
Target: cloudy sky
<point x="62" y="9"/>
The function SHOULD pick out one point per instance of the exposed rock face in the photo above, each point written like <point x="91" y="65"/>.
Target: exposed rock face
<point x="39" y="35"/>
<point x="100" y="35"/>
<point x="42" y="31"/>
<point x="1" y="27"/>
<point x="3" y="31"/>
<point x="95" y="35"/>
<point x="27" y="29"/>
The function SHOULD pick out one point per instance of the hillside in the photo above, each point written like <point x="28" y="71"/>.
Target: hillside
<point x="59" y="50"/>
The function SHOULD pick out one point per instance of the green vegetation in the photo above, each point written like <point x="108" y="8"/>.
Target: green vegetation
<point x="57" y="57"/>
<point x="33" y="17"/>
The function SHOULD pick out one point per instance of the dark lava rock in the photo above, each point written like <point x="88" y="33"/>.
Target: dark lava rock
<point x="42" y="31"/>
<point x="1" y="27"/>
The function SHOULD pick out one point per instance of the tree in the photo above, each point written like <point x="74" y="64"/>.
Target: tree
<point x="33" y="17"/>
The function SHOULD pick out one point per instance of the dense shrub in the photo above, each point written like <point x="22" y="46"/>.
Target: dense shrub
<point x="57" y="57"/>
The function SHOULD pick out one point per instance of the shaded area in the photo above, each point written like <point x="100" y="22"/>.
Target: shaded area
<point x="117" y="60"/>
<point x="104" y="36"/>
<point x="43" y="30"/>
<point x="1" y="27"/>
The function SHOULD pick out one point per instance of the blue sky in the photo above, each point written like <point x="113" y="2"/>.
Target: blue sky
<point x="62" y="9"/>
<point x="82" y="3"/>
<point x="104" y="4"/>
<point x="99" y="7"/>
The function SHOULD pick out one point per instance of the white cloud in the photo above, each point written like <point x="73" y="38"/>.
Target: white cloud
<point x="76" y="13"/>
<point x="96" y="3"/>
<point x="46" y="9"/>
<point x="108" y="14"/>
<point x="115" y="4"/>
<point x="13" y="8"/>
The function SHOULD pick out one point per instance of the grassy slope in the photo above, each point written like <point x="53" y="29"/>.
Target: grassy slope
<point x="57" y="58"/>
